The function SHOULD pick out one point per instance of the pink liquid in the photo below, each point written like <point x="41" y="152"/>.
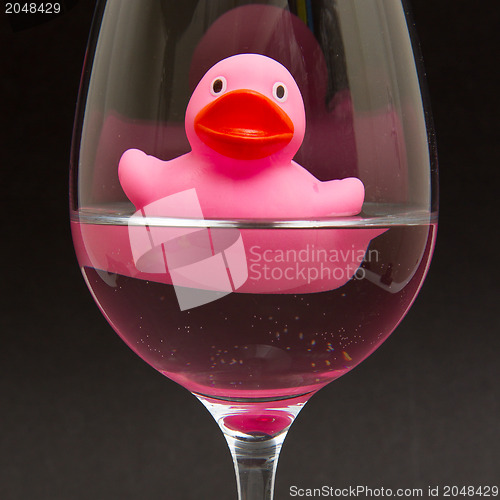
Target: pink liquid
<point x="247" y="345"/>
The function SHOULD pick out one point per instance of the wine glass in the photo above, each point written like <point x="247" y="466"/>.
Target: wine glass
<point x="253" y="199"/>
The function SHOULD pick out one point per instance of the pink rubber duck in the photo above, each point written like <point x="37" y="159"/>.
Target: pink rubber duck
<point x="245" y="122"/>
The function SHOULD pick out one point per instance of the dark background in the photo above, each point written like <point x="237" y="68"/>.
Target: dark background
<point x="82" y="417"/>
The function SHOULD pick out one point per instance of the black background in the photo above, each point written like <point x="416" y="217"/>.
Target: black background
<point x="82" y="417"/>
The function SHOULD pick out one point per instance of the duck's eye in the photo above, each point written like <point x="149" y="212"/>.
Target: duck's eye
<point x="280" y="92"/>
<point x="218" y="85"/>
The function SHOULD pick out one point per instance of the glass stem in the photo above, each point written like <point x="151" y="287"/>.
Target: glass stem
<point x="255" y="462"/>
<point x="255" y="431"/>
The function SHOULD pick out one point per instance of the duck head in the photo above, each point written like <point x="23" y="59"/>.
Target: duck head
<point x="246" y="108"/>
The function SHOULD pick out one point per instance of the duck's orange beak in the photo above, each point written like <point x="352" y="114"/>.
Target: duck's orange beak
<point x="244" y="125"/>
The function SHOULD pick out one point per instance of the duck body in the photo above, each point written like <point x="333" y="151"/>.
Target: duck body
<point x="280" y="191"/>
